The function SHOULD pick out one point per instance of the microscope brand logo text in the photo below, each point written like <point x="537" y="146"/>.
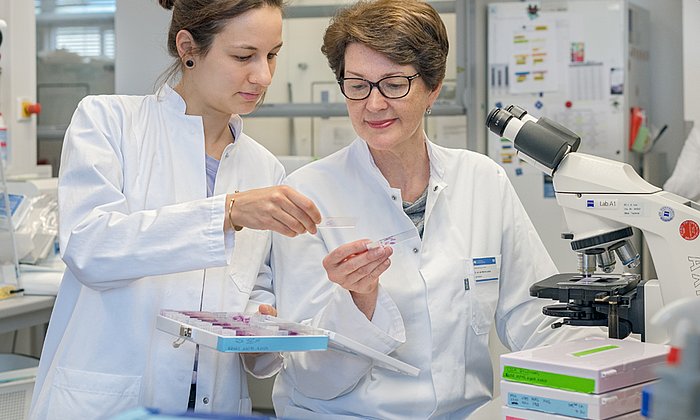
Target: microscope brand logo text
<point x="601" y="204"/>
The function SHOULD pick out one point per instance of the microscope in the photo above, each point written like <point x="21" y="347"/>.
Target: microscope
<point x="602" y="201"/>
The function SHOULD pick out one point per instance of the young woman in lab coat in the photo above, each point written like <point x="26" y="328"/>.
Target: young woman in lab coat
<point x="151" y="219"/>
<point x="429" y="301"/>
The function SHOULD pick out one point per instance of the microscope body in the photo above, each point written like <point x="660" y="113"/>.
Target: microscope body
<point x="600" y="196"/>
<point x="602" y="200"/>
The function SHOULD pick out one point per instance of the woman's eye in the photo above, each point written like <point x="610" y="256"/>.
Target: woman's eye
<point x="271" y="56"/>
<point x="242" y="58"/>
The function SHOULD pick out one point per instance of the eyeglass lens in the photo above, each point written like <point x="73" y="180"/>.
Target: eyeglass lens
<point x="392" y="87"/>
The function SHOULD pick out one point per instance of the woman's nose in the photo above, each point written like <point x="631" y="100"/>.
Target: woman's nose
<point x="262" y="74"/>
<point x="375" y="100"/>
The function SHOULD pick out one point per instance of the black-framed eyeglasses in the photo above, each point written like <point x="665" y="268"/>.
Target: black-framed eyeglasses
<point x="392" y="87"/>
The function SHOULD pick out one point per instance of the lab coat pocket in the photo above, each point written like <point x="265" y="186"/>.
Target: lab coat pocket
<point x="92" y="394"/>
<point x="484" y="274"/>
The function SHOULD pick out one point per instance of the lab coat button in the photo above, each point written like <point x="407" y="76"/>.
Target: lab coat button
<point x="415" y="250"/>
<point x="226" y="155"/>
<point x="393" y="197"/>
<point x="435" y="188"/>
<point x="205" y="400"/>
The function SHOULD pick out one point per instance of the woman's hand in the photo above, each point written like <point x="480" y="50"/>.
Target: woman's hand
<point x="280" y="208"/>
<point x="357" y="269"/>
<point x="265" y="309"/>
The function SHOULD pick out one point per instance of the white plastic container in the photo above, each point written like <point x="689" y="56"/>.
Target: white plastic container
<point x="592" y="366"/>
<point x="677" y="393"/>
<point x="509" y="413"/>
<point x="572" y="404"/>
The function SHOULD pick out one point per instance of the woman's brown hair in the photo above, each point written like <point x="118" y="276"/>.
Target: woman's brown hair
<point x="408" y="32"/>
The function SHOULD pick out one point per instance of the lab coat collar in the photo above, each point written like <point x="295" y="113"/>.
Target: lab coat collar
<point x="435" y="154"/>
<point x="437" y="160"/>
<point x="171" y="98"/>
<point x="360" y="149"/>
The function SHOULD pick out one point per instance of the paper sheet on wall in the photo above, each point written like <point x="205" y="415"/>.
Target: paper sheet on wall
<point x="532" y="63"/>
<point x="587" y="82"/>
<point x="591" y="124"/>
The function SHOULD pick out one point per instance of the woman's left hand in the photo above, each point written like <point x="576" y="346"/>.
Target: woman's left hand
<point x="357" y="269"/>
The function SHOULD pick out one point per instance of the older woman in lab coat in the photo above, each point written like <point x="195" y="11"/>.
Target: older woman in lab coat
<point x="431" y="300"/>
<point x="151" y="219"/>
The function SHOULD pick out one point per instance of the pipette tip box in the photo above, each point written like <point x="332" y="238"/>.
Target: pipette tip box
<point x="573" y="404"/>
<point x="592" y="366"/>
<point x="509" y="413"/>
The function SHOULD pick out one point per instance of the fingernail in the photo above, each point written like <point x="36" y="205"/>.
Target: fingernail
<point x="376" y="252"/>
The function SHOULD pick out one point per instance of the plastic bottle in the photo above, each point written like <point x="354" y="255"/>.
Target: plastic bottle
<point x="3" y="140"/>
<point x="677" y="394"/>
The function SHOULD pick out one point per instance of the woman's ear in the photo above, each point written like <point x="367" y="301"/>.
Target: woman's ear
<point x="435" y="93"/>
<point x="185" y="44"/>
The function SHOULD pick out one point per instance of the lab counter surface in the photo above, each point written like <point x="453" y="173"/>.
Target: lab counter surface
<point x="21" y="312"/>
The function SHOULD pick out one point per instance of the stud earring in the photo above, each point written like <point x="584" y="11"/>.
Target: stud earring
<point x="428" y="111"/>
<point x="189" y="63"/>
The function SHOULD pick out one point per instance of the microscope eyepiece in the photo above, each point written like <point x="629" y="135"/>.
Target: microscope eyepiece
<point x="497" y="120"/>
<point x="516" y="111"/>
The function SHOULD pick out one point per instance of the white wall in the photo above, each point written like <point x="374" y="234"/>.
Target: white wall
<point x="18" y="83"/>
<point x="691" y="60"/>
<point x="140" y="28"/>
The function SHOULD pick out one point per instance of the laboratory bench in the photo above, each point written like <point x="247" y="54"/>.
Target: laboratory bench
<point x="21" y="312"/>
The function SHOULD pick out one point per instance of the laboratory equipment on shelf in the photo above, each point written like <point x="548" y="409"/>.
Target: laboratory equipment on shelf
<point x="602" y="201"/>
<point x="11" y="207"/>
<point x="677" y="393"/>
<point x="593" y="378"/>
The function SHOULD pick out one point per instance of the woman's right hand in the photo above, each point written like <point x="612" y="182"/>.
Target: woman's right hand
<point x="280" y="208"/>
<point x="357" y="269"/>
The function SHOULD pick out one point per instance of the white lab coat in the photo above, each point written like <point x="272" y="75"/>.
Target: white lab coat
<point x="424" y="315"/>
<point x="138" y="234"/>
<point x="685" y="180"/>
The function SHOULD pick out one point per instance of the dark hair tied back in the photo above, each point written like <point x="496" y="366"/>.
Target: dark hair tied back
<point x="168" y="4"/>
<point x="204" y="20"/>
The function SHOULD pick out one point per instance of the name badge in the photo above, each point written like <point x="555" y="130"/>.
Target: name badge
<point x="482" y="270"/>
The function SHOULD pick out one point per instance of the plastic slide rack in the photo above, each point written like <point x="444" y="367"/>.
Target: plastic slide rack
<point x="238" y="332"/>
